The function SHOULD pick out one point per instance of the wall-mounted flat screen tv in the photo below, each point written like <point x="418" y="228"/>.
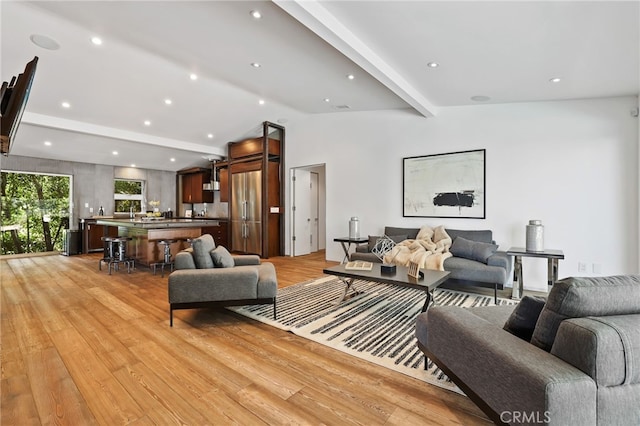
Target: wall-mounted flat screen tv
<point x="14" y="95"/>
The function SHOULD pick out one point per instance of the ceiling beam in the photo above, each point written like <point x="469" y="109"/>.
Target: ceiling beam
<point x="314" y="16"/>
<point x="42" y="120"/>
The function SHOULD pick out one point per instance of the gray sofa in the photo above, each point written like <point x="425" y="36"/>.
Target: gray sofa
<point x="207" y="276"/>
<point x="494" y="273"/>
<point x="581" y="367"/>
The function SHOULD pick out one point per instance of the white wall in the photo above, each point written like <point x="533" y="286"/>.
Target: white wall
<point x="571" y="164"/>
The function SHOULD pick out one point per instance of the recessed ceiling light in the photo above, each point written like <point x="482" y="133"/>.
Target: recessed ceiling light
<point x="327" y="99"/>
<point x="147" y="123"/>
<point x="255" y="65"/>
<point x="261" y="101"/>
<point x="47" y="143"/>
<point x="351" y="76"/>
<point x="133" y="165"/>
<point x="433" y="65"/>
<point x="193" y="76"/>
<point x="65" y="105"/>
<point x="115" y="152"/>
<point x="172" y="159"/>
<point x="555" y="80"/>
<point x="480" y="98"/>
<point x="96" y="40"/>
<point x="210" y="135"/>
<point x="168" y="101"/>
<point x="45" y="42"/>
<point x="256" y="14"/>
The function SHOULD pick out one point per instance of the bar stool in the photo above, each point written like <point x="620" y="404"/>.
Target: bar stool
<point x="167" y="257"/>
<point x="118" y="254"/>
<point x="109" y="253"/>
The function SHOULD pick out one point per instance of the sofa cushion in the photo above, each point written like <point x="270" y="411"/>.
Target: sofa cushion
<point x="483" y="236"/>
<point x="202" y="247"/>
<point x="383" y="246"/>
<point x="367" y="257"/>
<point x="411" y="233"/>
<point x="473" y="250"/>
<point x="398" y="238"/>
<point x="222" y="258"/>
<point x="522" y="320"/>
<point x="373" y="239"/>
<point x="578" y="297"/>
<point x="184" y="259"/>
<point x="471" y="270"/>
<point x="215" y="284"/>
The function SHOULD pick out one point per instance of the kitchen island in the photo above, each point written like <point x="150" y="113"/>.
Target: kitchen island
<point x="146" y="233"/>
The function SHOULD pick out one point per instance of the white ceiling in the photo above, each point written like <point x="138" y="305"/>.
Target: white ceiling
<point x="507" y="51"/>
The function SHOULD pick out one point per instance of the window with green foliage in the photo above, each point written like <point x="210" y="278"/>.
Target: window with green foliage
<point x="34" y="212"/>
<point x="128" y="195"/>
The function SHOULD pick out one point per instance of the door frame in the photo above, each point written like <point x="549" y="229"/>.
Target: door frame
<point x="300" y="209"/>
<point x="320" y="169"/>
<point x="315" y="223"/>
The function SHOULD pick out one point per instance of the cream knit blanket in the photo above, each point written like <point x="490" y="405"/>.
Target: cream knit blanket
<point x="429" y="250"/>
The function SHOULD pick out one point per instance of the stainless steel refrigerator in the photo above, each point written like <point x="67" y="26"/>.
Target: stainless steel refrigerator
<point x="246" y="212"/>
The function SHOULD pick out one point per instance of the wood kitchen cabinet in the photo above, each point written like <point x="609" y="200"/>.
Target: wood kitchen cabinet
<point x="192" y="191"/>
<point x="92" y="234"/>
<point x="224" y="185"/>
<point x="256" y="195"/>
<point x="253" y="147"/>
<point x="219" y="233"/>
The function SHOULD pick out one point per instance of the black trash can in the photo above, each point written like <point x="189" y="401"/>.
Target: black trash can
<point x="72" y="242"/>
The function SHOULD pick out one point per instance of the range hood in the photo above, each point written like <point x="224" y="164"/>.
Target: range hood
<point x="214" y="185"/>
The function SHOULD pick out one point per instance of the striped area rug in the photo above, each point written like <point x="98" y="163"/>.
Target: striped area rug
<point x="377" y="325"/>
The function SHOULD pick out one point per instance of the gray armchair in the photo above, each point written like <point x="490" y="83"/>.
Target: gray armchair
<point x="580" y="366"/>
<point x="207" y="276"/>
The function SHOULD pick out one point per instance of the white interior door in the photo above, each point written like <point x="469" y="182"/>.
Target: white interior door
<point x="313" y="201"/>
<point x="301" y="214"/>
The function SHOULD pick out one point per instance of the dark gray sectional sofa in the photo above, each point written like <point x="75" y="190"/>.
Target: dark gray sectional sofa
<point x="581" y="367"/>
<point x="494" y="273"/>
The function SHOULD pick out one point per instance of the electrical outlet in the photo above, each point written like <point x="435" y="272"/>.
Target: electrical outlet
<point x="582" y="267"/>
<point x="596" y="268"/>
<point x="90" y="209"/>
<point x="86" y="205"/>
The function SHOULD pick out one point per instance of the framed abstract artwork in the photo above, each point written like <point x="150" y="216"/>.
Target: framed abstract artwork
<point x="445" y="185"/>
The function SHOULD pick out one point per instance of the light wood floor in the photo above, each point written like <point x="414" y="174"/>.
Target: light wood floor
<point x="81" y="347"/>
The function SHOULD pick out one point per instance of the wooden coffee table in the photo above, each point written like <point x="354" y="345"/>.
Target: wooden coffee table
<point x="431" y="280"/>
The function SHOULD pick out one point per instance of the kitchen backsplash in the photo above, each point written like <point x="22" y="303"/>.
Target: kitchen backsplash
<point x="215" y="209"/>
